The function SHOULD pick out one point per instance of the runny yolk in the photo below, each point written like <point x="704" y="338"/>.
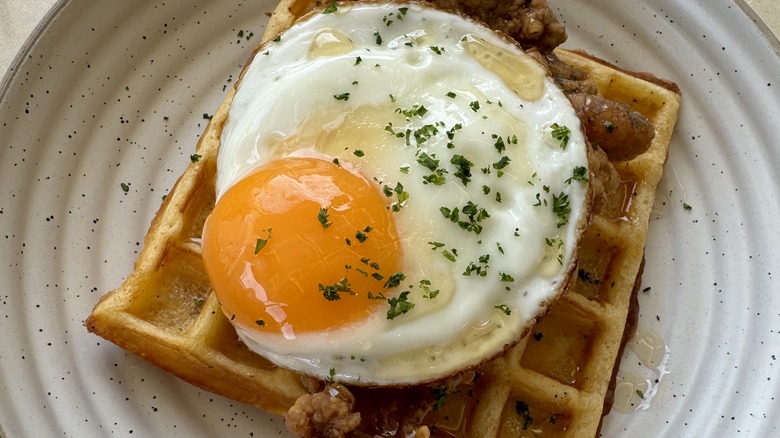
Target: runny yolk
<point x="299" y="246"/>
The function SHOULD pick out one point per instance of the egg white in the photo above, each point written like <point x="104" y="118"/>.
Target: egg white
<point x="292" y="100"/>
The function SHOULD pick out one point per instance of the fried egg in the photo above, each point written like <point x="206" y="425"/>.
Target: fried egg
<point x="400" y="194"/>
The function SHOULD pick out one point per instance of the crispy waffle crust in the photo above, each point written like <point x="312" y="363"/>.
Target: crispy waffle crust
<point x="553" y="382"/>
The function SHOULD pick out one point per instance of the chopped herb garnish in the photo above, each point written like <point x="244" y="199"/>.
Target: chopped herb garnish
<point x="473" y="213"/>
<point x="474" y="106"/>
<point x="435" y="245"/>
<point x="125" y="187"/>
<point x="436" y="178"/>
<point x="342" y="96"/>
<point x="640" y="394"/>
<point x="451" y="95"/>
<point x="499" y="144"/>
<point x="331" y="375"/>
<point x="277" y="39"/>
<point x="504" y="308"/>
<point x="427" y="161"/>
<point x="361" y="236"/>
<point x="378" y="38"/>
<point x="423" y="134"/>
<point x="195" y="158"/>
<point x="426" y="287"/>
<point x="395" y="280"/>
<point x="687" y="207"/>
<point x="331" y="292"/>
<point x="262" y="242"/>
<point x="501" y="164"/>
<point x="207" y="116"/>
<point x="399" y="306"/>
<point x="359" y="153"/>
<point x="506" y="277"/>
<point x="404" y="170"/>
<point x="260" y="322"/>
<point x="323" y="218"/>
<point x="609" y="126"/>
<point x="463" y="166"/>
<point x="561" y="208"/>
<point x="579" y="173"/>
<point x="560" y="133"/>
<point x="416" y="110"/>
<point x="358" y="60"/>
<point x="451" y="256"/>
<point x="437" y="50"/>
<point x="440" y="394"/>
<point x="330" y="9"/>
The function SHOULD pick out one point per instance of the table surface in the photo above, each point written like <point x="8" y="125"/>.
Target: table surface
<point x="18" y="19"/>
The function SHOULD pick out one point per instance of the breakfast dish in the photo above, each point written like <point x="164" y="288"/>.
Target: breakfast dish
<point x="555" y="379"/>
<point x="72" y="231"/>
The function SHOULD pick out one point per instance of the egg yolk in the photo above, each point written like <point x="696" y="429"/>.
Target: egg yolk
<point x="301" y="245"/>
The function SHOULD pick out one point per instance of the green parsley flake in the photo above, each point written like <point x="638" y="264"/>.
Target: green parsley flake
<point x="560" y="133"/>
<point x="579" y="173"/>
<point x="504" y="308"/>
<point x="378" y="38"/>
<point x="395" y="280"/>
<point x="687" y="207"/>
<point x="451" y="95"/>
<point x="609" y="126"/>
<point x="331" y="292"/>
<point x="561" y="208"/>
<point x="262" y="242"/>
<point x="260" y="322"/>
<point x="440" y="394"/>
<point x="474" y="215"/>
<point x="323" y="218"/>
<point x="416" y="110"/>
<point x="358" y="60"/>
<point x="195" y="158"/>
<point x="125" y="187"/>
<point x="640" y="394"/>
<point x="343" y="96"/>
<point x="399" y="305"/>
<point x="427" y="161"/>
<point x="499" y="144"/>
<point x="359" y="153"/>
<point x="463" y="167"/>
<point x="474" y="106"/>
<point x="330" y="9"/>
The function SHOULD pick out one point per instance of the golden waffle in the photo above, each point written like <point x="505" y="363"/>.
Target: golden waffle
<point x="554" y="381"/>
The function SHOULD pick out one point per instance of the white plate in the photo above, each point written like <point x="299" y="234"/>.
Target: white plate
<point x="111" y="94"/>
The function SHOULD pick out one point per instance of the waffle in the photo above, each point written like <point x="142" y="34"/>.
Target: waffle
<point x="554" y="382"/>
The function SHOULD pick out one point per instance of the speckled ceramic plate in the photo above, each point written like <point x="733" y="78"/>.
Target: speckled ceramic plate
<point x="101" y="110"/>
